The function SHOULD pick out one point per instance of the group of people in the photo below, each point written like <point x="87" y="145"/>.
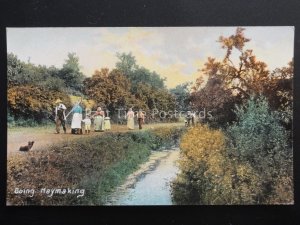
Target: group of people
<point x="130" y="119"/>
<point x="101" y="122"/>
<point x="190" y="119"/>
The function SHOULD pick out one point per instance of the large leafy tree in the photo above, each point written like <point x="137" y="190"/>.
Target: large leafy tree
<point x="159" y="99"/>
<point x="21" y="73"/>
<point x="14" y="69"/>
<point x="113" y="90"/>
<point x="126" y="64"/>
<point x="109" y="88"/>
<point x="71" y="73"/>
<point x="147" y="86"/>
<point x="137" y="74"/>
<point x="244" y="76"/>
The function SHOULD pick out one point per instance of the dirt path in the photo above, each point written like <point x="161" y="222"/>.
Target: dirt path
<point x="45" y="136"/>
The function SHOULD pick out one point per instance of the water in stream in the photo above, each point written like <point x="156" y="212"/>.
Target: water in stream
<point x="150" y="185"/>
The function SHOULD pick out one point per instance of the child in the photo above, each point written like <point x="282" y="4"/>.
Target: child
<point x="87" y="124"/>
<point x="107" y="125"/>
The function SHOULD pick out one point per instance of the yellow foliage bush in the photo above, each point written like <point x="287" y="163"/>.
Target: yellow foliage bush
<point x="33" y="102"/>
<point x="208" y="175"/>
<point x="199" y="145"/>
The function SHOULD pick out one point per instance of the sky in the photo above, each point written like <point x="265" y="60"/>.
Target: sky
<point x="176" y="53"/>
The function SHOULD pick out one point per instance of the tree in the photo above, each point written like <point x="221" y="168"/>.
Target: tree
<point x="143" y="75"/>
<point x="182" y="95"/>
<point x="21" y="73"/>
<point x="111" y="89"/>
<point x="216" y="100"/>
<point x="54" y="83"/>
<point x="71" y="73"/>
<point x="14" y="69"/>
<point x="153" y="98"/>
<point x="126" y="64"/>
<point x="245" y="77"/>
<point x="280" y="93"/>
<point x="137" y="74"/>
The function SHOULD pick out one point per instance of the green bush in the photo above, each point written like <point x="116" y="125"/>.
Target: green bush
<point x="259" y="139"/>
<point x="258" y="131"/>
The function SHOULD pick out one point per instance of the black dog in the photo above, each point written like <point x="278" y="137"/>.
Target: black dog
<point x="27" y="147"/>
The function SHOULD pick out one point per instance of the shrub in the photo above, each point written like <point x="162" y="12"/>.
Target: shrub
<point x="256" y="124"/>
<point x="253" y="165"/>
<point x="167" y="136"/>
<point x="259" y="139"/>
<point x="33" y="102"/>
<point x="208" y="176"/>
<point x="200" y="148"/>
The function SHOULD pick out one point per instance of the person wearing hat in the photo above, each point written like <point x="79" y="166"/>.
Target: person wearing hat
<point x="60" y="116"/>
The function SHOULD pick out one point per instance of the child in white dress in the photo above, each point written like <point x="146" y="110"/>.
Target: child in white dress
<point x="87" y="124"/>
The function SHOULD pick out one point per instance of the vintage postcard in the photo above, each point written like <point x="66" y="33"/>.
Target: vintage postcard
<point x="150" y="116"/>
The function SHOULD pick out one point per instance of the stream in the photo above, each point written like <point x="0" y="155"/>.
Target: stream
<point x="150" y="184"/>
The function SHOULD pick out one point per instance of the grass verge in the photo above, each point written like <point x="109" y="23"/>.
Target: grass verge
<point x="95" y="164"/>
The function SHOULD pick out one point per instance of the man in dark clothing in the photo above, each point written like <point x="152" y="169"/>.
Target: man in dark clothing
<point x="141" y="118"/>
<point x="60" y="116"/>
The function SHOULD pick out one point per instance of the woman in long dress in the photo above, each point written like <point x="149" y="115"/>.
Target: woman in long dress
<point x="99" y="120"/>
<point x="76" y="120"/>
<point x="130" y="119"/>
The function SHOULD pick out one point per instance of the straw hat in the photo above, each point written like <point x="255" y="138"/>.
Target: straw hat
<point x="58" y="101"/>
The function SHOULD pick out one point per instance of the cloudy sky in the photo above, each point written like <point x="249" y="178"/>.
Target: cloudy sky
<point x="174" y="52"/>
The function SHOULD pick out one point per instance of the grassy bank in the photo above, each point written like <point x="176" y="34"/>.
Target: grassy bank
<point x="95" y="164"/>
